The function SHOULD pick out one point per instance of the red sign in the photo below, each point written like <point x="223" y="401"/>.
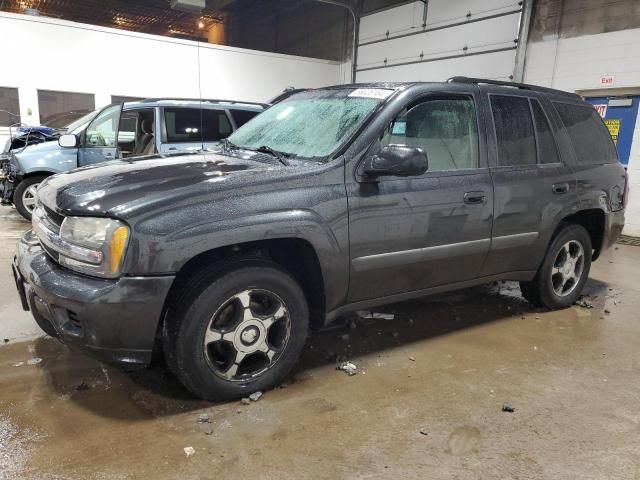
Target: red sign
<point x="607" y="80"/>
<point x="601" y="108"/>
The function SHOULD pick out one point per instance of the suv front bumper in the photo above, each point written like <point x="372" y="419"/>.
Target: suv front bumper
<point x="115" y="320"/>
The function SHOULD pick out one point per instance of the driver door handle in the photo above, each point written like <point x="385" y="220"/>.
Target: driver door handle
<point x="474" y="198"/>
<point x="560" y="187"/>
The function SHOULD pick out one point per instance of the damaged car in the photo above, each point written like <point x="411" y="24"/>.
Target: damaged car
<point x="119" y="131"/>
<point x="333" y="200"/>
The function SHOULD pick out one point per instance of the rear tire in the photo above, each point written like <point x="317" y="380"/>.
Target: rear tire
<point x="24" y="195"/>
<point x="236" y="330"/>
<point x="564" y="270"/>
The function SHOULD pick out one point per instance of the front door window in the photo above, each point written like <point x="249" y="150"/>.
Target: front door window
<point x="102" y="131"/>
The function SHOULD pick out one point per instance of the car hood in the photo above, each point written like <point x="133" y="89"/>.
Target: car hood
<point x="39" y="149"/>
<point x="123" y="188"/>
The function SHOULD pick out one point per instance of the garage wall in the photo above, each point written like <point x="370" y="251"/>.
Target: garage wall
<point x="51" y="54"/>
<point x="462" y="37"/>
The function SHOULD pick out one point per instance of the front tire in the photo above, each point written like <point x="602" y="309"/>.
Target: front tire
<point x="564" y="270"/>
<point x="24" y="196"/>
<point x="237" y="330"/>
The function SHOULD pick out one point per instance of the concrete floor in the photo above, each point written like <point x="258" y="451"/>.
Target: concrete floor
<point x="426" y="403"/>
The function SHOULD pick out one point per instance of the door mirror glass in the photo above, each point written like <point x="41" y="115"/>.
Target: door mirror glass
<point x="68" y="140"/>
<point x="397" y="161"/>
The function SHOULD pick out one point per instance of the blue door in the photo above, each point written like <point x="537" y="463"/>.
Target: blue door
<point x="619" y="114"/>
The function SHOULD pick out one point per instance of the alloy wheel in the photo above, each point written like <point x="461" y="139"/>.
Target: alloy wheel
<point x="247" y="335"/>
<point x="29" y="197"/>
<point x="568" y="268"/>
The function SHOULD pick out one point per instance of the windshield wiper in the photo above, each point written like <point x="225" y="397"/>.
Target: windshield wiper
<point x="274" y="153"/>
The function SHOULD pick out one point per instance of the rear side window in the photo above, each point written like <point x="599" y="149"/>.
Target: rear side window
<point x="547" y="151"/>
<point x="242" y="116"/>
<point x="183" y="125"/>
<point x="590" y="137"/>
<point x="215" y="125"/>
<point x="514" y="130"/>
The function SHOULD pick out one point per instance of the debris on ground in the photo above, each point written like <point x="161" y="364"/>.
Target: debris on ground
<point x="607" y="311"/>
<point x="245" y="401"/>
<point x="203" y="418"/>
<point x="581" y="302"/>
<point x="344" y="337"/>
<point x="506" y="407"/>
<point x="188" y="451"/>
<point x="395" y="334"/>
<point x="34" y="361"/>
<point x="82" y="387"/>
<point x="19" y="364"/>
<point x="6" y="340"/>
<point x="255" y="396"/>
<point x="368" y="315"/>
<point x="423" y="431"/>
<point x="348" y="367"/>
<point x="413" y="359"/>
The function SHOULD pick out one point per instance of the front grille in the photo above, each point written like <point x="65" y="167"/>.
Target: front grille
<point x="52" y="216"/>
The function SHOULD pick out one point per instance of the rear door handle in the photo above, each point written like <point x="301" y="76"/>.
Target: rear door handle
<point x="473" y="198"/>
<point x="560" y="187"/>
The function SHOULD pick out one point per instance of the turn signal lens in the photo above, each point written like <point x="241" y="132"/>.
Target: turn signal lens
<point x="117" y="247"/>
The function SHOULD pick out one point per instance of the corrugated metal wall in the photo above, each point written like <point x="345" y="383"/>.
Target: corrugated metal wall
<point x="436" y="39"/>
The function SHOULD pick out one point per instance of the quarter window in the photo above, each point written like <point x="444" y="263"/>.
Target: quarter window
<point x="445" y="128"/>
<point x="589" y="135"/>
<point x="514" y="130"/>
<point x="547" y="151"/>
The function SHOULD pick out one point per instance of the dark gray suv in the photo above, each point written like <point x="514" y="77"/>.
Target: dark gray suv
<point x="333" y="200"/>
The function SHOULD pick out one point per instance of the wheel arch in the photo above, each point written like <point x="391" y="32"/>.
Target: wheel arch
<point x="593" y="220"/>
<point x="294" y="255"/>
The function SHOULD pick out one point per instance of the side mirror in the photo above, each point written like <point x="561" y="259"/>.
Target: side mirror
<point x="397" y="161"/>
<point x="68" y="140"/>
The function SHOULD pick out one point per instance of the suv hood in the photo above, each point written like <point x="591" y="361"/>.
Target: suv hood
<point x="124" y="187"/>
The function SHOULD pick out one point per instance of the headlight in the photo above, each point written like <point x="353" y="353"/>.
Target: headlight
<point x="98" y="245"/>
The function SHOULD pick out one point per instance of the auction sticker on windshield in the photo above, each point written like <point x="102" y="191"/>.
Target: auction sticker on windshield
<point x="380" y="93"/>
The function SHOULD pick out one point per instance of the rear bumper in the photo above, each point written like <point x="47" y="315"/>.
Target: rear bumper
<point x="115" y="320"/>
<point x="613" y="225"/>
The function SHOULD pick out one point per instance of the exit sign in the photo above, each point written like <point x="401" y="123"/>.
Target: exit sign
<point x="607" y="80"/>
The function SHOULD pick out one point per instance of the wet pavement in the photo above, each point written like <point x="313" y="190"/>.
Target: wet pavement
<point x="426" y="400"/>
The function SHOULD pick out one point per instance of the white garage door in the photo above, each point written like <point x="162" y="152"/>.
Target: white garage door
<point x="436" y="39"/>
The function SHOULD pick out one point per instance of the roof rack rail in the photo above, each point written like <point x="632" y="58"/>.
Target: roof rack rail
<point x="523" y="86"/>
<point x="212" y="100"/>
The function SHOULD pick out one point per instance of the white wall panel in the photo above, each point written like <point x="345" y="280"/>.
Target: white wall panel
<point x="106" y="62"/>
<point x="495" y="65"/>
<point x="407" y="18"/>
<point x="490" y="34"/>
<point x="497" y="32"/>
<point x="396" y="20"/>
